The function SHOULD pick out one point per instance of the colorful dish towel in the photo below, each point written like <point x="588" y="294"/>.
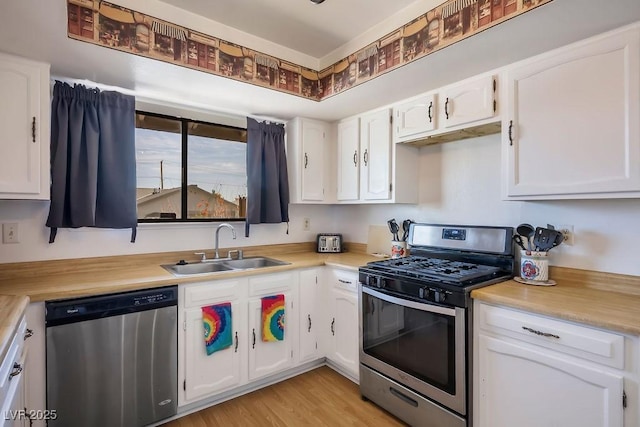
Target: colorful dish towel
<point x="273" y="318"/>
<point x="217" y="327"/>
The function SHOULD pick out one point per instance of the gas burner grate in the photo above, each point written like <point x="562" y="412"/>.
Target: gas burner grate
<point x="435" y="269"/>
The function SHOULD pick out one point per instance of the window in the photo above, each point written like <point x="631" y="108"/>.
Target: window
<point x="189" y="170"/>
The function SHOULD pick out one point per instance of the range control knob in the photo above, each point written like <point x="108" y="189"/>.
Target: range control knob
<point x="440" y="296"/>
<point x="380" y="283"/>
<point x="423" y="293"/>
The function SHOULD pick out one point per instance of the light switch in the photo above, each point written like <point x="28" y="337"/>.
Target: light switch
<point x="10" y="232"/>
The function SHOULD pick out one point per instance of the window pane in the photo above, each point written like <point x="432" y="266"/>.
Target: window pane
<point x="159" y="167"/>
<point x="216" y="173"/>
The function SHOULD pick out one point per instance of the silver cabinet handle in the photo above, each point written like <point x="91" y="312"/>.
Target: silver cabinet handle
<point x="28" y="333"/>
<point x="542" y="334"/>
<point x="17" y="369"/>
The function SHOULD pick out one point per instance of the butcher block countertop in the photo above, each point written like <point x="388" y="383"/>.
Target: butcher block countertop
<point x="604" y="300"/>
<point x="12" y="308"/>
<point x="60" y="279"/>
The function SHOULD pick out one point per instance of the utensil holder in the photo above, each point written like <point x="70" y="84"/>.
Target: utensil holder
<point x="534" y="265"/>
<point x="398" y="249"/>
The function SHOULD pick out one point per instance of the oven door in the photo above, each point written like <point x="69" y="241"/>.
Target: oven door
<point x="419" y="345"/>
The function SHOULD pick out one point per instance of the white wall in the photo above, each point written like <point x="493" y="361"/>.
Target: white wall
<point x="460" y="184"/>
<point x="90" y="242"/>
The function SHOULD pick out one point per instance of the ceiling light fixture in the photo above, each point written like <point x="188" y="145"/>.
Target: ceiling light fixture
<point x="317" y="1"/>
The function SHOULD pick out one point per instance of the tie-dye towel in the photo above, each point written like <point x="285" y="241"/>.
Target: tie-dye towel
<point x="273" y="318"/>
<point x="217" y="327"/>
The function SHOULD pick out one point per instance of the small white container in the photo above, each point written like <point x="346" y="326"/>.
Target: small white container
<point x="398" y="249"/>
<point x="534" y="265"/>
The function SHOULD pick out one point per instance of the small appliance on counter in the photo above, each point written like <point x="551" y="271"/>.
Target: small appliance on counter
<point x="329" y="243"/>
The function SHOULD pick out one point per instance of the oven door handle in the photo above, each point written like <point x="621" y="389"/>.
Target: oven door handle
<point x="410" y="304"/>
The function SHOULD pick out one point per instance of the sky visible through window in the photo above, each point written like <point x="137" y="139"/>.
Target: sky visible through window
<point x="214" y="164"/>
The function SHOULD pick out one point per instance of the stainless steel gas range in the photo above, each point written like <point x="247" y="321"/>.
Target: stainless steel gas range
<point x="416" y="321"/>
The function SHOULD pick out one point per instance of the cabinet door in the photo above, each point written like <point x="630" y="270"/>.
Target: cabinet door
<point x="20" y="129"/>
<point x="414" y="118"/>
<point x="309" y="316"/>
<point x="344" y="330"/>
<point x="520" y="386"/>
<point x="375" y="145"/>
<point x="14" y="402"/>
<point x="207" y="375"/>
<point x="348" y="160"/>
<point x="266" y="358"/>
<point x="313" y="145"/>
<point x="468" y="102"/>
<point x="573" y="123"/>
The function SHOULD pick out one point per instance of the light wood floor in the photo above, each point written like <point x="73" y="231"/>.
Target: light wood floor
<point x="320" y="397"/>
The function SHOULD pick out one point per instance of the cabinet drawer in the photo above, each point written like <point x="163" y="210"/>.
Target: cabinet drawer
<point x="200" y="294"/>
<point x="603" y="347"/>
<point x="270" y="284"/>
<point x="12" y="356"/>
<point x="346" y="280"/>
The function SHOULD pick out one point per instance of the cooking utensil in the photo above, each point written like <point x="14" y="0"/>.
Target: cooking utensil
<point x="405" y="229"/>
<point x="393" y="227"/>
<point x="545" y="239"/>
<point x="519" y="241"/>
<point x="526" y="231"/>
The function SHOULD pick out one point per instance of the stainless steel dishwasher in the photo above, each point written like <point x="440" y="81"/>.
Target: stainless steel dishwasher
<point x="112" y="359"/>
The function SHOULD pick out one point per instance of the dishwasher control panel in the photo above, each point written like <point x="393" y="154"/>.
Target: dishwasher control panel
<point x="78" y="309"/>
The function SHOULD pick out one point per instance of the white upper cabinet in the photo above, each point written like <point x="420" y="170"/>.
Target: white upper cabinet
<point x="469" y="101"/>
<point x="375" y="144"/>
<point x="349" y="160"/>
<point x="415" y="117"/>
<point x="24" y="129"/>
<point x="572" y="125"/>
<point x="462" y="110"/>
<point x="308" y="150"/>
<point x="370" y="168"/>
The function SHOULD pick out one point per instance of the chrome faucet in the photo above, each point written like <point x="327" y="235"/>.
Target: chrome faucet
<point x="223" y="225"/>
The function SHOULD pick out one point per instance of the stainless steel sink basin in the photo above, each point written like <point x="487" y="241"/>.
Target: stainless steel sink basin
<point x="222" y="265"/>
<point x="196" y="268"/>
<point x="253" y="262"/>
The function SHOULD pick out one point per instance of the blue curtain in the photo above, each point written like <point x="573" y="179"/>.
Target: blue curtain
<point x="267" y="178"/>
<point x="93" y="165"/>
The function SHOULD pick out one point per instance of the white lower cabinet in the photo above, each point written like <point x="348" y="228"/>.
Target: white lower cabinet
<point x="343" y="321"/>
<point x="310" y="309"/>
<point x="210" y="374"/>
<point x="266" y="358"/>
<point x="533" y="371"/>
<point x="248" y="358"/>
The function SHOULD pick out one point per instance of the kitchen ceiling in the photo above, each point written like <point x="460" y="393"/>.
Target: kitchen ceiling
<point x="314" y="29"/>
<point x="38" y="29"/>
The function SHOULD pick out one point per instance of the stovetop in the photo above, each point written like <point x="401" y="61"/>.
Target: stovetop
<point x="455" y="273"/>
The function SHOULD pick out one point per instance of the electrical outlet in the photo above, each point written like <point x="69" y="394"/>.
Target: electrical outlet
<point x="306" y="224"/>
<point x="567" y="232"/>
<point x="10" y="232"/>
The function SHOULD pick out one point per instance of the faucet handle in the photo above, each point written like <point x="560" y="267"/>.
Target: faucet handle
<point x="237" y="252"/>
<point x="203" y="256"/>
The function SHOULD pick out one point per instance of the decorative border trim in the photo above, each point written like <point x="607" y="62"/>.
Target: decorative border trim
<point x="116" y="27"/>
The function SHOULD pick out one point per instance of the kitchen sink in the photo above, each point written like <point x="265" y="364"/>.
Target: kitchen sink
<point x="222" y="265"/>
<point x="196" y="268"/>
<point x="253" y="262"/>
